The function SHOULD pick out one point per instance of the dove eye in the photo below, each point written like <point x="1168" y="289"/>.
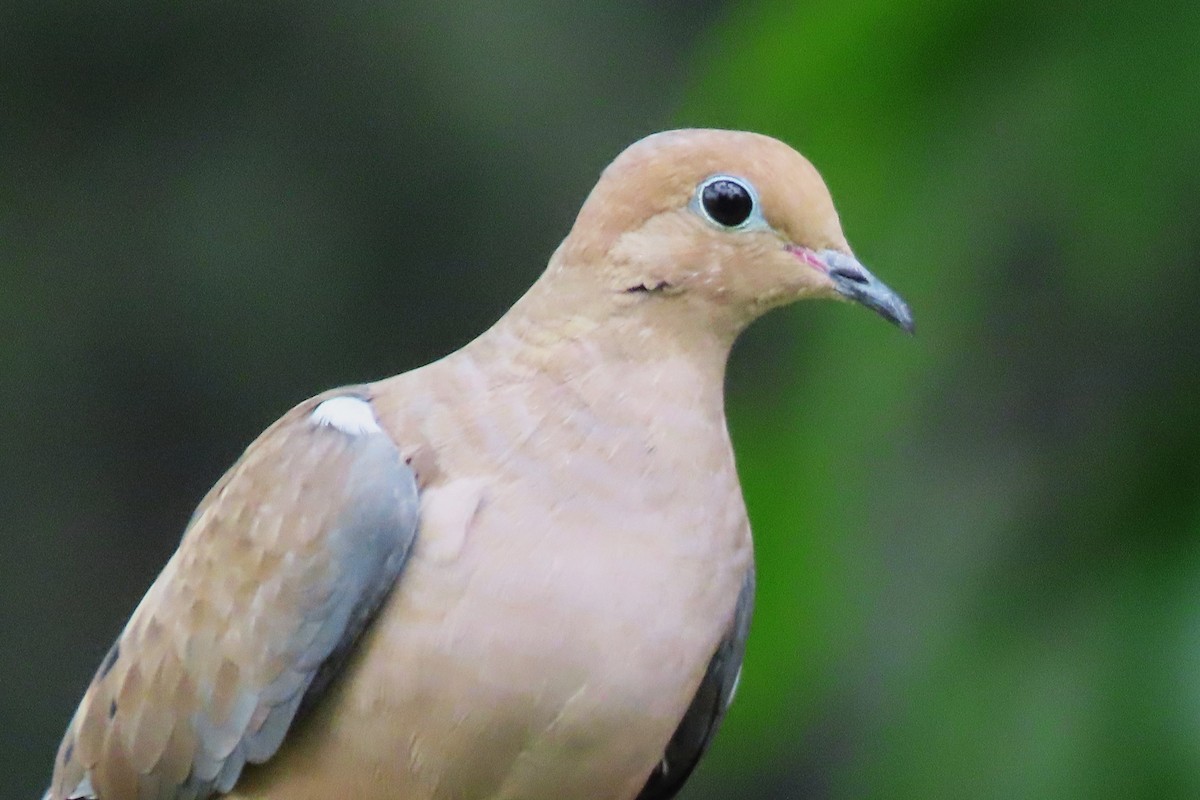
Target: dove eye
<point x="725" y="200"/>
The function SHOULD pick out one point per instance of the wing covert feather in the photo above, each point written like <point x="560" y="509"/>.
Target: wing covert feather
<point x="281" y="567"/>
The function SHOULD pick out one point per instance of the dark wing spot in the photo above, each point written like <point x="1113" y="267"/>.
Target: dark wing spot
<point x="114" y="653"/>
<point x="112" y="709"/>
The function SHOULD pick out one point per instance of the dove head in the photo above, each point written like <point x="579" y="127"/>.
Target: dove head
<point x="716" y="226"/>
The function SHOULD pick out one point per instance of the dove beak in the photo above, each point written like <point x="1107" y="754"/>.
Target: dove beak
<point x="852" y="280"/>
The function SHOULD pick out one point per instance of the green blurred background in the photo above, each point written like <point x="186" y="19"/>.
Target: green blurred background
<point x="979" y="549"/>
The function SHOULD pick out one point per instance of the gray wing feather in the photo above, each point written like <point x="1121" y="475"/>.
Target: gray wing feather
<point x="370" y="547"/>
<point x="704" y="715"/>
<point x="325" y="588"/>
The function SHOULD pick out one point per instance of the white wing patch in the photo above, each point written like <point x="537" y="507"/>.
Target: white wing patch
<point x="351" y="415"/>
<point x="733" y="689"/>
<point x="83" y="791"/>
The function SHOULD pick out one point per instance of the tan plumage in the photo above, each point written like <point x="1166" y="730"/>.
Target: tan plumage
<point x="580" y="573"/>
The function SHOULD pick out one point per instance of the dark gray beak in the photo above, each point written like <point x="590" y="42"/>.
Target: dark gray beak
<point x="853" y="280"/>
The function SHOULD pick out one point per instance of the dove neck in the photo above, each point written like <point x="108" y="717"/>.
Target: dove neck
<point x="564" y="316"/>
<point x="608" y="357"/>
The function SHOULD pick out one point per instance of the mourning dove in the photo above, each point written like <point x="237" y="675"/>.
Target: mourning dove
<point x="522" y="572"/>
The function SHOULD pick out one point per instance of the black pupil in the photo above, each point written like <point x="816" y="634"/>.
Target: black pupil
<point x="727" y="202"/>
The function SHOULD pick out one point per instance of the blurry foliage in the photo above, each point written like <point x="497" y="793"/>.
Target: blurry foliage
<point x="979" y="549"/>
<point x="979" y="569"/>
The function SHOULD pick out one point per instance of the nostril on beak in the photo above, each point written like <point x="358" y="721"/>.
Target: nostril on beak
<point x="849" y="273"/>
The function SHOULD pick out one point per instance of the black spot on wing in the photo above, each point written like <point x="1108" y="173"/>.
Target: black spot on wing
<point x="110" y="659"/>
